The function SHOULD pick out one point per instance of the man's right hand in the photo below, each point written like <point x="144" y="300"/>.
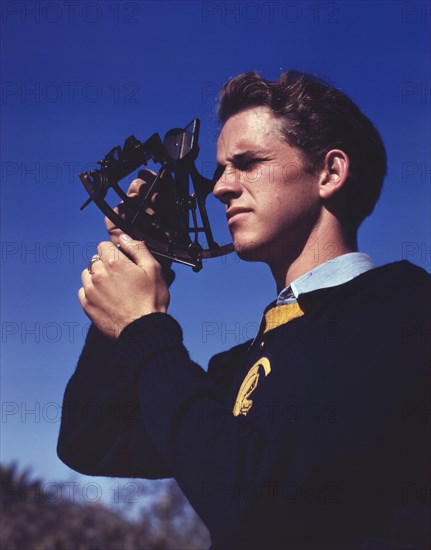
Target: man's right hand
<point x="162" y="205"/>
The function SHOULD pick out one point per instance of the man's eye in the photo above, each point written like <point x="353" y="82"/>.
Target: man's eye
<point x="243" y="166"/>
<point x="248" y="165"/>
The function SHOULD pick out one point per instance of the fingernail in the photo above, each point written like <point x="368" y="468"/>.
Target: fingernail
<point x="126" y="238"/>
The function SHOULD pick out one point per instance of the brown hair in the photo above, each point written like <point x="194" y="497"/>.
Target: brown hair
<point x="316" y="117"/>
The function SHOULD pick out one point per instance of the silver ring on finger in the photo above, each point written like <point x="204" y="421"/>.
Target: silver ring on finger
<point x="94" y="258"/>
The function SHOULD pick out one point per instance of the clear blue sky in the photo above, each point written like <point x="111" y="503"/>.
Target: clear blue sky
<point x="79" y="77"/>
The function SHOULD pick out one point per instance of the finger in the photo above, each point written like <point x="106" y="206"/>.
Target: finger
<point x="82" y="298"/>
<point x="137" y="251"/>
<point x="107" y="251"/>
<point x="85" y="277"/>
<point x="84" y="302"/>
<point x="138" y="186"/>
<point x="110" y="225"/>
<point x="147" y="177"/>
<point x="112" y="254"/>
<point x="88" y="279"/>
<point x="144" y="180"/>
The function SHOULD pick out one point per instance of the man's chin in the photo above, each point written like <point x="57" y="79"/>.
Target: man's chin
<point x="249" y="252"/>
<point x="260" y="252"/>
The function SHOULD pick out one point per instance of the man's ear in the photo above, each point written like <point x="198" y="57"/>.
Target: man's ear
<point x="334" y="173"/>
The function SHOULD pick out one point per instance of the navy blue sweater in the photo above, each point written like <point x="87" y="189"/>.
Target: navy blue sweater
<point x="334" y="451"/>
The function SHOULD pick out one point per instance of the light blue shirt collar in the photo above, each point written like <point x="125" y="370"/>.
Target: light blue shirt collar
<point x="334" y="272"/>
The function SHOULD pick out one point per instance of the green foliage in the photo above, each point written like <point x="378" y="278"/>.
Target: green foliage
<point x="31" y="519"/>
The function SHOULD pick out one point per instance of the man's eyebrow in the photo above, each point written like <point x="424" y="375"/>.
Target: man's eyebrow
<point x="248" y="154"/>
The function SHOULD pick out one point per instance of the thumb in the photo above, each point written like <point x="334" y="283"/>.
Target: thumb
<point x="137" y="251"/>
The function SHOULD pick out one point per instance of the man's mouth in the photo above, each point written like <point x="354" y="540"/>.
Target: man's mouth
<point x="235" y="212"/>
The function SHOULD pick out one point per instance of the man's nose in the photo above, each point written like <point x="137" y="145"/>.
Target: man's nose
<point x="228" y="186"/>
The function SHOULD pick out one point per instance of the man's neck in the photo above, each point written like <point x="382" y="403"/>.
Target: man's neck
<point x="316" y="251"/>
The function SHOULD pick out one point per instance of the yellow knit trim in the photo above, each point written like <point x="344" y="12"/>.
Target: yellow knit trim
<point x="280" y="315"/>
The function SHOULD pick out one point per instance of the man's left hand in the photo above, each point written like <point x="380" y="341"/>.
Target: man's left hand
<point x="122" y="287"/>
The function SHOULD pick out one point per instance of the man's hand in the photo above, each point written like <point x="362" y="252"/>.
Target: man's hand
<point x="162" y="205"/>
<point x="122" y="287"/>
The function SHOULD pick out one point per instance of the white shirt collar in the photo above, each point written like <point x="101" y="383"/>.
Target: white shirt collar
<point x="334" y="272"/>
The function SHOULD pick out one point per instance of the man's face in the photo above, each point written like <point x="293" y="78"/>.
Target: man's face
<point x="272" y="203"/>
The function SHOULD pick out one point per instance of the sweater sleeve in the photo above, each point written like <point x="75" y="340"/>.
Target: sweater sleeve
<point x="211" y="453"/>
<point x="102" y="432"/>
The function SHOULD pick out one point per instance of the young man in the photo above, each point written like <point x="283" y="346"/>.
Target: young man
<point x="315" y="434"/>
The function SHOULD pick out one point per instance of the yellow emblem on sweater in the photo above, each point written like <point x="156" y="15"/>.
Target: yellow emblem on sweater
<point x="243" y="403"/>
